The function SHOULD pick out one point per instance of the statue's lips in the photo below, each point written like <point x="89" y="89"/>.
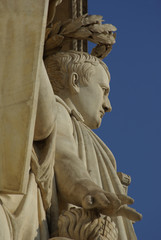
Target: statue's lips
<point x="102" y="113"/>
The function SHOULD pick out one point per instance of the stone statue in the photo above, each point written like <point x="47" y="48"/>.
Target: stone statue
<point x="24" y="216"/>
<point x="58" y="179"/>
<point x="25" y="183"/>
<point x="84" y="166"/>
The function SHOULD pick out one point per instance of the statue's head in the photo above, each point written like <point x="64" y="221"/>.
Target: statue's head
<point x="84" y="79"/>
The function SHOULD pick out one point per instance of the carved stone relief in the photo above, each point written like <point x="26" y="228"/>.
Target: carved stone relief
<point x="58" y="180"/>
<point x="80" y="224"/>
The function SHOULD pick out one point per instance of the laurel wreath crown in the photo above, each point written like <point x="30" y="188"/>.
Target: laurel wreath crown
<point x="85" y="27"/>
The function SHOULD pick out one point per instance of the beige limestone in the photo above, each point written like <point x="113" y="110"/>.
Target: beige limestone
<point x="85" y="27"/>
<point x="85" y="168"/>
<point x="22" y="25"/>
<point x="24" y="216"/>
<point x="80" y="224"/>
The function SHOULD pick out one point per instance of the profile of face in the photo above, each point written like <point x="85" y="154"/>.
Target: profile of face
<point x="92" y="100"/>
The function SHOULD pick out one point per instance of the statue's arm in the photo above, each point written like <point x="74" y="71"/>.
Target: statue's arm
<point x="71" y="176"/>
<point x="46" y="109"/>
<point x="73" y="181"/>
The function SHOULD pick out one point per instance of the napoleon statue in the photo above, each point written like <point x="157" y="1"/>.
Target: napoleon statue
<point x="72" y="187"/>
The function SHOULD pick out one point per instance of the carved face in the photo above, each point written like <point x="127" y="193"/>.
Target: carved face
<point x="92" y="100"/>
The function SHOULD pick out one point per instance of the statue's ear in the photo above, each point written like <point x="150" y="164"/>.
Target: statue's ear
<point x="74" y="83"/>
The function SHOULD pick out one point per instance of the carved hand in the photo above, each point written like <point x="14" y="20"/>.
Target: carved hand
<point x="111" y="204"/>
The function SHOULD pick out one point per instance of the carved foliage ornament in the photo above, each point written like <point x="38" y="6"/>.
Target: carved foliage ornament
<point x="86" y="27"/>
<point x="79" y="224"/>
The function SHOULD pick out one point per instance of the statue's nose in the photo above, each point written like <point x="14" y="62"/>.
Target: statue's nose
<point x="107" y="106"/>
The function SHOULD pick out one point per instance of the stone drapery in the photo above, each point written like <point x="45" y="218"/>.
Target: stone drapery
<point x="100" y="164"/>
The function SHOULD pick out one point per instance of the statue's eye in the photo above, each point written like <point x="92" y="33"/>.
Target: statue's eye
<point x="104" y="90"/>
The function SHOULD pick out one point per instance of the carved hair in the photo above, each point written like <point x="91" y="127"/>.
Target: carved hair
<point x="61" y="65"/>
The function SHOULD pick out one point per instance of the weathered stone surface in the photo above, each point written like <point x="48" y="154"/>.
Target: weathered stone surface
<point x="79" y="224"/>
<point x="51" y="159"/>
<point x="22" y="25"/>
<point x="85" y="168"/>
<point x="86" y="27"/>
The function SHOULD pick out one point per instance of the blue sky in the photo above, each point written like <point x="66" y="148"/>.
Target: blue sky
<point x="133" y="129"/>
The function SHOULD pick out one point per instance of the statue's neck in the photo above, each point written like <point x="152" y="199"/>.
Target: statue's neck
<point x="68" y="101"/>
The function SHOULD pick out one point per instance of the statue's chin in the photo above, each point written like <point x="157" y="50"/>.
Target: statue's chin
<point x="98" y="125"/>
<point x="94" y="124"/>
